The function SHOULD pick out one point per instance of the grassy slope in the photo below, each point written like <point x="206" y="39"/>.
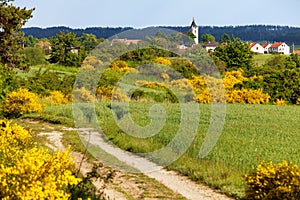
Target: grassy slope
<point x="261" y="59"/>
<point x="52" y="67"/>
<point x="251" y="132"/>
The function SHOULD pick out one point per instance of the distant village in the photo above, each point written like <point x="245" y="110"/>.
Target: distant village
<point x="265" y="48"/>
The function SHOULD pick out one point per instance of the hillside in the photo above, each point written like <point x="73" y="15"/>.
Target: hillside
<point x="247" y="33"/>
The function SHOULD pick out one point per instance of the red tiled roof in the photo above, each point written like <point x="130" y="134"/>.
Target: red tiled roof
<point x="265" y="44"/>
<point x="297" y="52"/>
<point x="126" y="41"/>
<point x="276" y="44"/>
<point x="252" y="45"/>
<point x="210" y="45"/>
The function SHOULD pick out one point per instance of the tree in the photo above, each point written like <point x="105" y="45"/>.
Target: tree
<point x="191" y="35"/>
<point x="12" y="19"/>
<point x="296" y="59"/>
<point x="235" y="54"/>
<point x="205" y="38"/>
<point x="89" y="41"/>
<point x="225" y="38"/>
<point x="30" y="41"/>
<point x="34" y="56"/>
<point x="7" y="80"/>
<point x="66" y="50"/>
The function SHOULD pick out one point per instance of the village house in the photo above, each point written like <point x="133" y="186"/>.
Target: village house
<point x="73" y="49"/>
<point x="256" y="47"/>
<point x="266" y="47"/>
<point x="124" y="41"/>
<point x="210" y="47"/>
<point x="280" y="47"/>
<point x="296" y="52"/>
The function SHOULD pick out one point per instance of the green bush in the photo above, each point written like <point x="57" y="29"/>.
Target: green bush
<point x="34" y="56"/>
<point x="43" y="81"/>
<point x="269" y="181"/>
<point x="7" y="81"/>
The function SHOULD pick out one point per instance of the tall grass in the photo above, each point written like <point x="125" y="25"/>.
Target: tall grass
<point x="251" y="133"/>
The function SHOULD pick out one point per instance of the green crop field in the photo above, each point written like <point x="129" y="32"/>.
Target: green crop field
<point x="251" y="133"/>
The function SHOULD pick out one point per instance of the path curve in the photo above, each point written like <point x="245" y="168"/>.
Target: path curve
<point x="172" y="180"/>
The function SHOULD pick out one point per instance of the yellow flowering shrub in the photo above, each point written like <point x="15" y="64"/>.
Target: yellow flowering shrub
<point x="197" y="83"/>
<point x="233" y="77"/>
<point x="165" y="76"/>
<point x="28" y="172"/>
<point x="104" y="93"/>
<point x="211" y="90"/>
<point x="204" y="97"/>
<point x="21" y="102"/>
<point x="181" y="84"/>
<point x="119" y="96"/>
<point x="82" y="95"/>
<point x="247" y="96"/>
<point x="208" y="89"/>
<point x="279" y="102"/>
<point x="92" y="61"/>
<point x="163" y="61"/>
<point x="56" y="98"/>
<point x="270" y="181"/>
<point x="120" y="66"/>
<point x="109" y="93"/>
<point x="298" y="101"/>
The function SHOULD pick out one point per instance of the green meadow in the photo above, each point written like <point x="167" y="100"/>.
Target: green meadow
<point x="251" y="133"/>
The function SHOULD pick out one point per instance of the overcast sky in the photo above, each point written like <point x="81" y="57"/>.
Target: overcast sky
<point x="144" y="13"/>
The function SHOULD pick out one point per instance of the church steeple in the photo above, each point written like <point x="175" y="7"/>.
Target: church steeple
<point x="195" y="30"/>
<point x="193" y="22"/>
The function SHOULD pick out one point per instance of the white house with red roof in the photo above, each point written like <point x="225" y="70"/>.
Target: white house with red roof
<point x="210" y="46"/>
<point x="266" y="47"/>
<point x="124" y="41"/>
<point x="280" y="47"/>
<point x="256" y="48"/>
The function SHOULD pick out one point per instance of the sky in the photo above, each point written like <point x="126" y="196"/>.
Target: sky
<point x="145" y="13"/>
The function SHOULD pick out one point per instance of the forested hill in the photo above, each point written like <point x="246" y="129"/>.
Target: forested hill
<point x="100" y="32"/>
<point x="257" y="33"/>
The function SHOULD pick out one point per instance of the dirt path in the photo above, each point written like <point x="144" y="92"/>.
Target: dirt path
<point x="170" y="179"/>
<point x="55" y="143"/>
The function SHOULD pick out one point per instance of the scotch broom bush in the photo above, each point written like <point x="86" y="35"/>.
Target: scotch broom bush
<point x="163" y="61"/>
<point x="280" y="102"/>
<point x="56" y="98"/>
<point x="270" y="181"/>
<point x="298" y="101"/>
<point x="28" y="172"/>
<point x="21" y="102"/>
<point x="120" y="66"/>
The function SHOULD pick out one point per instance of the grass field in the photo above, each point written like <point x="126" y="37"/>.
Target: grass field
<point x="51" y="67"/>
<point x="261" y="59"/>
<point x="251" y="133"/>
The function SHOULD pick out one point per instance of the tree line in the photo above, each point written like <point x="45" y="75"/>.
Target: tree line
<point x="257" y="33"/>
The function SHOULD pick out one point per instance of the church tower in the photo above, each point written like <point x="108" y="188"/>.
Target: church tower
<point x="195" y="30"/>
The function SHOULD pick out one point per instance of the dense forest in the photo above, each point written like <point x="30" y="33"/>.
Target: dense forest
<point x="257" y="33"/>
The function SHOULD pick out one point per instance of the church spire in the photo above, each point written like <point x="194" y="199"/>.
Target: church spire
<point x="195" y="30"/>
<point x="193" y="23"/>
